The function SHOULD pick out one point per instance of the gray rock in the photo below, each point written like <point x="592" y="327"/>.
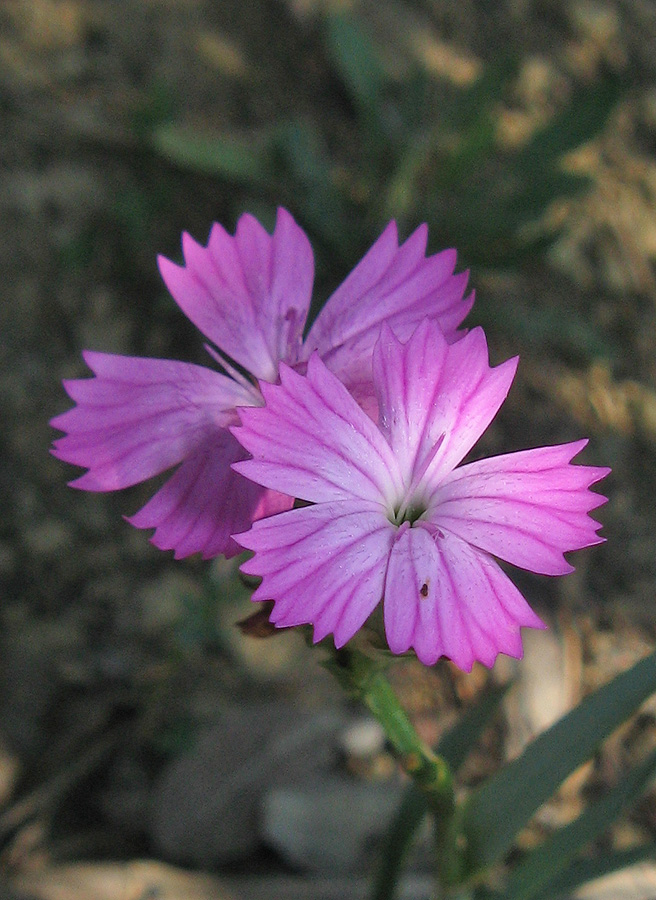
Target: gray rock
<point x="635" y="883"/>
<point x="323" y="887"/>
<point x="332" y="826"/>
<point x="205" y="808"/>
<point x="363" y="738"/>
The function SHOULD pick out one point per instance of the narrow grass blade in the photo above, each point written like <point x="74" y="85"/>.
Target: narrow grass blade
<point x="356" y="61"/>
<point x="501" y="807"/>
<point x="398" y="840"/>
<point x="239" y="159"/>
<point x="584" y="870"/>
<point x="542" y="865"/>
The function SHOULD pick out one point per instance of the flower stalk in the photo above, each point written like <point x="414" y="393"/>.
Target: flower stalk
<point x="363" y="677"/>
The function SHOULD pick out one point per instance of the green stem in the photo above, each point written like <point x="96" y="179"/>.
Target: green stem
<point x="364" y="678"/>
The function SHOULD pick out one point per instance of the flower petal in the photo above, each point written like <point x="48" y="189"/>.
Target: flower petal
<point x="205" y="502"/>
<point x="445" y="598"/>
<point x="431" y="392"/>
<point x="527" y="508"/>
<point x="139" y="417"/>
<point x="322" y="565"/>
<point x="392" y="283"/>
<point x="314" y="442"/>
<point x="250" y="293"/>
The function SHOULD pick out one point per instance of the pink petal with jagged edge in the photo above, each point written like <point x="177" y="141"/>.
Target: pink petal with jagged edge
<point x="250" y="293"/>
<point x="407" y="379"/>
<point x="138" y="417"/>
<point x="445" y="598"/>
<point x="313" y="441"/>
<point x="392" y="283"/>
<point x="527" y="508"/>
<point x="205" y="502"/>
<point x="431" y="392"/>
<point x="323" y="565"/>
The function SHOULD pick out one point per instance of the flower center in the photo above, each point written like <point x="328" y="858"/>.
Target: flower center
<point x="412" y="505"/>
<point x="407" y="512"/>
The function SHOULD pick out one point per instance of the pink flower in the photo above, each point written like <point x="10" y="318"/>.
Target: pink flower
<point x="249" y="295"/>
<point x="393" y="518"/>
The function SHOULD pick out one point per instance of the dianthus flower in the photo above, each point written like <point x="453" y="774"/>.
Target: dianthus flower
<point x="392" y="519"/>
<point x="249" y="295"/>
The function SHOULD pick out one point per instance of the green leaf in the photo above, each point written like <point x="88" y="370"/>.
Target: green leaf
<point x="304" y="163"/>
<point x="502" y="806"/>
<point x="400" y="193"/>
<point x="243" y="159"/>
<point x="487" y="196"/>
<point x="483" y="892"/>
<point x="470" y="117"/>
<point x="157" y="108"/>
<point x="398" y="840"/>
<point x="584" y="870"/>
<point x="581" y="120"/>
<point x="453" y="747"/>
<point x="545" y="326"/>
<point x="356" y="61"/>
<point x="459" y="740"/>
<point x="540" y="867"/>
<point x="469" y="106"/>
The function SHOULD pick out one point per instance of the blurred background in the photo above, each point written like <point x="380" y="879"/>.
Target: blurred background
<point x="136" y="720"/>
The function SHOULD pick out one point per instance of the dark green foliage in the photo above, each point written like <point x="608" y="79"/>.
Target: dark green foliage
<point x="499" y="809"/>
<point x="418" y="151"/>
